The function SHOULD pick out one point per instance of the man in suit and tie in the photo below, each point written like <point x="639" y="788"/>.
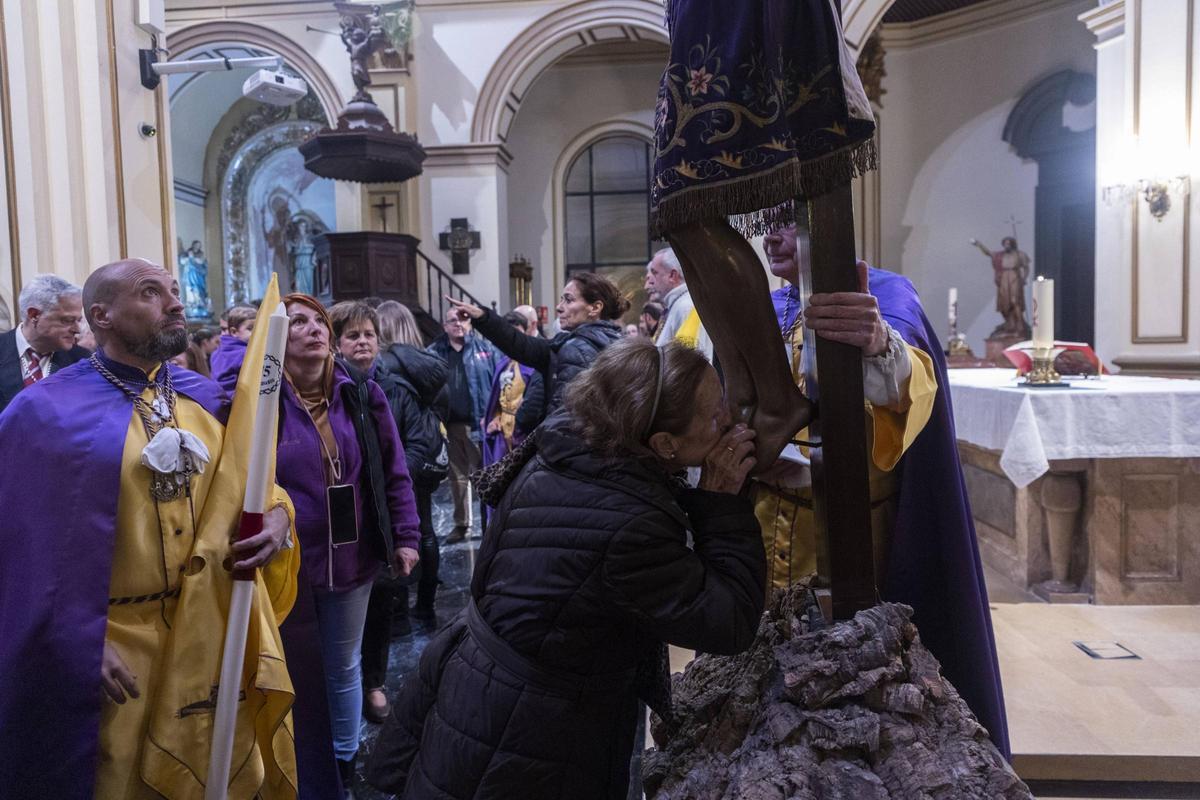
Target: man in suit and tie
<point x="44" y="341"/>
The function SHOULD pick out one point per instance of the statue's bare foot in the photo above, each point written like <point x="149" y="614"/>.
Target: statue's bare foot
<point x="776" y="426"/>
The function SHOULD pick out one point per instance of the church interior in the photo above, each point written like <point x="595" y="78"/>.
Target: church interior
<point x="516" y="147"/>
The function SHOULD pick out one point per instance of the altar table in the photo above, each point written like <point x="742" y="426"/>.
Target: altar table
<point x="1088" y="491"/>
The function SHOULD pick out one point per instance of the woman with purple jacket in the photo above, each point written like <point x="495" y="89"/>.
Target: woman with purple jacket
<point x="341" y="461"/>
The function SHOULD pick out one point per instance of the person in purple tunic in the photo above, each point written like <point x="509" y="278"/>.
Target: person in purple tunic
<point x="99" y="525"/>
<point x="505" y="425"/>
<point x="926" y="553"/>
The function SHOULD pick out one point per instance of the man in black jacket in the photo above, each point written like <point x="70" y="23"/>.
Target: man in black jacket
<point x="470" y="361"/>
<point x="44" y="341"/>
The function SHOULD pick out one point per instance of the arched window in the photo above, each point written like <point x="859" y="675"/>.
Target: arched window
<point x="608" y="214"/>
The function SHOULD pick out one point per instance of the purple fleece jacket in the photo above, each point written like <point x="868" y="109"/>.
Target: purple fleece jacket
<point x="299" y="470"/>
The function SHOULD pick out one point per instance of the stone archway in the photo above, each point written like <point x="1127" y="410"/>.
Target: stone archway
<point x="591" y="22"/>
<point x="860" y="18"/>
<point x="549" y="39"/>
<point x="224" y="31"/>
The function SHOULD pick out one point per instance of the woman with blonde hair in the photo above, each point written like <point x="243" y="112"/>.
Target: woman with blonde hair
<point x="397" y="326"/>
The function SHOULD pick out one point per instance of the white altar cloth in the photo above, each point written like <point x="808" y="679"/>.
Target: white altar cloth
<point x="1114" y="416"/>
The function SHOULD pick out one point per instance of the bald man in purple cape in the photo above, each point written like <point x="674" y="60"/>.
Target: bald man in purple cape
<point x="926" y="554"/>
<point x="73" y="702"/>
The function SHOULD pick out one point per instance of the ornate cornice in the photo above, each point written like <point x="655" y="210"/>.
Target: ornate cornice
<point x="1106" y="21"/>
<point x="871" y="70"/>
<point x="490" y="154"/>
<point x="985" y="16"/>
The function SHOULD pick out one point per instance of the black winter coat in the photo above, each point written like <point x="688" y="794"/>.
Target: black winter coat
<point x="584" y="569"/>
<point x="558" y="360"/>
<point x="414" y="382"/>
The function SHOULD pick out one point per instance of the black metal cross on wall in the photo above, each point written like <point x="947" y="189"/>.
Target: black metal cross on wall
<point x="460" y="240"/>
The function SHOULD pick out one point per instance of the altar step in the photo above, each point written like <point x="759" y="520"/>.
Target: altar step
<point x="1120" y="725"/>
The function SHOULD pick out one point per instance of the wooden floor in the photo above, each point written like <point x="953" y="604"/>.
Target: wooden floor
<point x="1076" y="718"/>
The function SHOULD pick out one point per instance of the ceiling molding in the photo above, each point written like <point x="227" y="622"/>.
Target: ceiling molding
<point x="1106" y="21"/>
<point x="986" y="16"/>
<point x="490" y="154"/>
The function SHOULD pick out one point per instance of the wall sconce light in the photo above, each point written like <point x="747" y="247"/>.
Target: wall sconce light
<point x="1156" y="193"/>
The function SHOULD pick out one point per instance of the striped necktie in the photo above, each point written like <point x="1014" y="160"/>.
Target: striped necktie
<point x="35" y="367"/>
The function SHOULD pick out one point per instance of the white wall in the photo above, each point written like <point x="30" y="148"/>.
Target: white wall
<point x="565" y="103"/>
<point x="946" y="175"/>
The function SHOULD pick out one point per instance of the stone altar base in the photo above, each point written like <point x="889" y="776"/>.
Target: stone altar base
<point x="1128" y="529"/>
<point x="856" y="710"/>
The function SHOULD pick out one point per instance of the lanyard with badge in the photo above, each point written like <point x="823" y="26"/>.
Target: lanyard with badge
<point x="341" y="499"/>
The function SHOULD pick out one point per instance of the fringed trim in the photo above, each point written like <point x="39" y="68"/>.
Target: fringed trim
<point x="758" y="204"/>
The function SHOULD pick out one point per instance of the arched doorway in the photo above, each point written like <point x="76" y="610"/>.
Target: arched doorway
<point x="1043" y="128"/>
<point x="244" y="204"/>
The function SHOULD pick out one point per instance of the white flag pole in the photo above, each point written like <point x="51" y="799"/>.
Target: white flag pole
<point x="234" y="653"/>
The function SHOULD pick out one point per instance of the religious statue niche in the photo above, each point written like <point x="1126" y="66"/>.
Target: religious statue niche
<point x="302" y="230"/>
<point x="193" y="282"/>
<point x="280" y="193"/>
<point x="460" y="240"/>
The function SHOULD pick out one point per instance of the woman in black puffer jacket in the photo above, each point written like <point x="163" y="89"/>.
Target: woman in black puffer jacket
<point x="587" y="314"/>
<point x="413" y="381"/>
<point x="585" y="573"/>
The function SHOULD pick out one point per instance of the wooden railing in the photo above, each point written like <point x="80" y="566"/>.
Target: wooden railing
<point x="439" y="284"/>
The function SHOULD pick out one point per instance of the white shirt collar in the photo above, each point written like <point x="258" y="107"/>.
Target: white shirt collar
<point x="22" y="342"/>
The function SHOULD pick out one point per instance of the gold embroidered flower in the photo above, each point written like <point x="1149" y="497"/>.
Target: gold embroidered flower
<point x="730" y="159"/>
<point x="701" y="78"/>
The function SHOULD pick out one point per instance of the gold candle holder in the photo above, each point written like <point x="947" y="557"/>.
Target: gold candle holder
<point x="1043" y="373"/>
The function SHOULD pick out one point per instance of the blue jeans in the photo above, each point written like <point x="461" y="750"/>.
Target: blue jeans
<point x="341" y="616"/>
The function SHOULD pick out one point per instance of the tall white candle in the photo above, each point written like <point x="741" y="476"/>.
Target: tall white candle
<point x="1043" y="313"/>
<point x="953" y="311"/>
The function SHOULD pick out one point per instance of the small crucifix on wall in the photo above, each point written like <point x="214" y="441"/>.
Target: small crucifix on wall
<point x="460" y="240"/>
<point x="385" y="206"/>
<point x="382" y="207"/>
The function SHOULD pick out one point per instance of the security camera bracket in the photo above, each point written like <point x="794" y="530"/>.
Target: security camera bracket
<point x="152" y="71"/>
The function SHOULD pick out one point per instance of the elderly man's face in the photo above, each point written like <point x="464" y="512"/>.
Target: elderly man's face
<point x="660" y="279"/>
<point x="455" y="326"/>
<point x="57" y="327"/>
<point x="783" y="256"/>
<point x="146" y="315"/>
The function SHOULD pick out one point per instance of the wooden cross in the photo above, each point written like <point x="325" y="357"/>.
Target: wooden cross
<point x="841" y="471"/>
<point x="383" y="205"/>
<point x="460" y="240"/>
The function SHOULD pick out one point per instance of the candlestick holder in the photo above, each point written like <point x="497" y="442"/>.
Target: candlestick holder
<point x="1043" y="373"/>
<point x="958" y="345"/>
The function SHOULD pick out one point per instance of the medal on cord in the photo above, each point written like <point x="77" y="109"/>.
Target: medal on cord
<point x="172" y="455"/>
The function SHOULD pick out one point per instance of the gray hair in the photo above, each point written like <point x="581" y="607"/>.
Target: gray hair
<point x="670" y="261"/>
<point x="44" y="292"/>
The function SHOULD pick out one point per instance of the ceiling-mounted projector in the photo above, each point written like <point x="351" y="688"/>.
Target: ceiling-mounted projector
<point x="276" y="88"/>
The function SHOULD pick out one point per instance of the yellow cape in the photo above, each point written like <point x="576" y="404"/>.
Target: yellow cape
<point x="175" y="760"/>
